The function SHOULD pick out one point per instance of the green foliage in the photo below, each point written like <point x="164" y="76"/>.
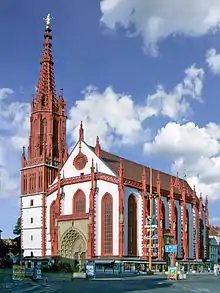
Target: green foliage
<point x="16" y="245"/>
<point x="17" y="227"/>
<point x="4" y="249"/>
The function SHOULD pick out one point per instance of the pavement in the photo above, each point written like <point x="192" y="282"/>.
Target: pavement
<point x="61" y="283"/>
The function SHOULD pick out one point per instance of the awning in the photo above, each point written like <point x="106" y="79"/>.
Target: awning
<point x="104" y="261"/>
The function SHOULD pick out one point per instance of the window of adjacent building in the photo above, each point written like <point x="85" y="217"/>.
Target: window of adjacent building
<point x="32" y="237"/>
<point x="31" y="202"/>
<point x="32" y="220"/>
<point x="79" y="202"/>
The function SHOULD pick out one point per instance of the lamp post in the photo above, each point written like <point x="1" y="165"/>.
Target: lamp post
<point x="151" y="196"/>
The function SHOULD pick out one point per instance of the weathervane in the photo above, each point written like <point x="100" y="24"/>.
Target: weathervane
<point x="48" y="20"/>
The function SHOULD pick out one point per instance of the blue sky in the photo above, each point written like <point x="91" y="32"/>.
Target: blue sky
<point x="150" y="108"/>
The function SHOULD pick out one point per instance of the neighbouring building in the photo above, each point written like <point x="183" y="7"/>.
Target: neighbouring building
<point x="93" y="204"/>
<point x="213" y="249"/>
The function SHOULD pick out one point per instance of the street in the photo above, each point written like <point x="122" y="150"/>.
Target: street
<point x="199" y="283"/>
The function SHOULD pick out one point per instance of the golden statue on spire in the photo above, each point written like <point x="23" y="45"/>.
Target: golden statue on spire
<point x="48" y="20"/>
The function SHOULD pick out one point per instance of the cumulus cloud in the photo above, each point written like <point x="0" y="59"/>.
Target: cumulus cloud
<point x="194" y="151"/>
<point x="14" y="127"/>
<point x="213" y="61"/>
<point x="118" y="120"/>
<point x="115" y="117"/>
<point x="156" y="20"/>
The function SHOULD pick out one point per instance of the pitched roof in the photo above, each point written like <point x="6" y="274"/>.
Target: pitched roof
<point x="214" y="230"/>
<point x="133" y="171"/>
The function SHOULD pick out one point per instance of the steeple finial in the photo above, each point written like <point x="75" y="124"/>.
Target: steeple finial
<point x="46" y="92"/>
<point x="81" y="132"/>
<point x="48" y="20"/>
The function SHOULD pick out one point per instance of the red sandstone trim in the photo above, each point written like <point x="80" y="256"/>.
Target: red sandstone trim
<point x="43" y="231"/>
<point x="73" y="217"/>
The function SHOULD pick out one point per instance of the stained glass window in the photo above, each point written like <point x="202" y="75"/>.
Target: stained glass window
<point x="107" y="225"/>
<point x="132" y="226"/>
<point x="79" y="202"/>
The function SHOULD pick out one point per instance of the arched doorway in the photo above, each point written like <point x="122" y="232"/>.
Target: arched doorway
<point x="73" y="246"/>
<point x="132" y="226"/>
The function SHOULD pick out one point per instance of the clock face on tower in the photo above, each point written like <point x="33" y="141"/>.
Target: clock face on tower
<point x="80" y="161"/>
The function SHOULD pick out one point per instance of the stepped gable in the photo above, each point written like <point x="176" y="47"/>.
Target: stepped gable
<point x="133" y="171"/>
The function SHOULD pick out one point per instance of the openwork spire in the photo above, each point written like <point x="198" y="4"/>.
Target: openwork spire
<point x="46" y="92"/>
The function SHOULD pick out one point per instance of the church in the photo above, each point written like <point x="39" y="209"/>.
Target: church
<point x="91" y="204"/>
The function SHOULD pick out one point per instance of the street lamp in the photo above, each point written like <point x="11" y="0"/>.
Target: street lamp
<point x="151" y="196"/>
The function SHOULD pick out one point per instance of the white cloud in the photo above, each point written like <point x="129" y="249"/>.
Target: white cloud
<point x="14" y="127"/>
<point x="213" y="61"/>
<point x="175" y="104"/>
<point x="155" y="20"/>
<point x="193" y="150"/>
<point x="214" y="220"/>
<point x="117" y="119"/>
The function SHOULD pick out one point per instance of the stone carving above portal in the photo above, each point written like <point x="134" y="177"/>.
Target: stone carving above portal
<point x="73" y="246"/>
<point x="80" y="161"/>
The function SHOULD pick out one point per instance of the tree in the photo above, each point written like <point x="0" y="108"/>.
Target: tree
<point x="3" y="249"/>
<point x="16" y="242"/>
<point x="17" y="227"/>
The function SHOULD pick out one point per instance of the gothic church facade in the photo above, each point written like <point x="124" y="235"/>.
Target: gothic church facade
<point x="92" y="203"/>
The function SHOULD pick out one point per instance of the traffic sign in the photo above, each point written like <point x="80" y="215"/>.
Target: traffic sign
<point x="170" y="248"/>
<point x="170" y="254"/>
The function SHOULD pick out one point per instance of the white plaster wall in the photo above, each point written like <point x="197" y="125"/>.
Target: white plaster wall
<point x="127" y="192"/>
<point x="111" y="188"/>
<point x="70" y="171"/>
<point x="31" y="229"/>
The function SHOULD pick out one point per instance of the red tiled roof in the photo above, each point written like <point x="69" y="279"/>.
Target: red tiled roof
<point x="214" y="230"/>
<point x="133" y="171"/>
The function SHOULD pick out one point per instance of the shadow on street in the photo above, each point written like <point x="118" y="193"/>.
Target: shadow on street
<point x="119" y="285"/>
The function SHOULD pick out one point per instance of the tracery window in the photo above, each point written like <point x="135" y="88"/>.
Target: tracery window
<point x="107" y="224"/>
<point x="43" y="134"/>
<point x="79" y="202"/>
<point x="132" y="226"/>
<point x="52" y="216"/>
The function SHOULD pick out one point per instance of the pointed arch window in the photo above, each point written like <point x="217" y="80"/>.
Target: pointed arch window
<point x="107" y="224"/>
<point x="79" y="203"/>
<point x="52" y="216"/>
<point x="132" y="226"/>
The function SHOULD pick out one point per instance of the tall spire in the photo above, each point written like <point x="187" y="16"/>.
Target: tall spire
<point x="46" y="92"/>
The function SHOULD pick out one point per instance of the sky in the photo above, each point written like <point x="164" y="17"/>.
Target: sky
<point x="143" y="75"/>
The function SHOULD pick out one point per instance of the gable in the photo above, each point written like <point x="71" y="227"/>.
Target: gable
<point x="69" y="170"/>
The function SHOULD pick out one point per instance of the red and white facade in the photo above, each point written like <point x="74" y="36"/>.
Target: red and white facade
<point x="92" y="203"/>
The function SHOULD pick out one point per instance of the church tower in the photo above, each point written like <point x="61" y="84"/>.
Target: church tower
<point x="47" y="151"/>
